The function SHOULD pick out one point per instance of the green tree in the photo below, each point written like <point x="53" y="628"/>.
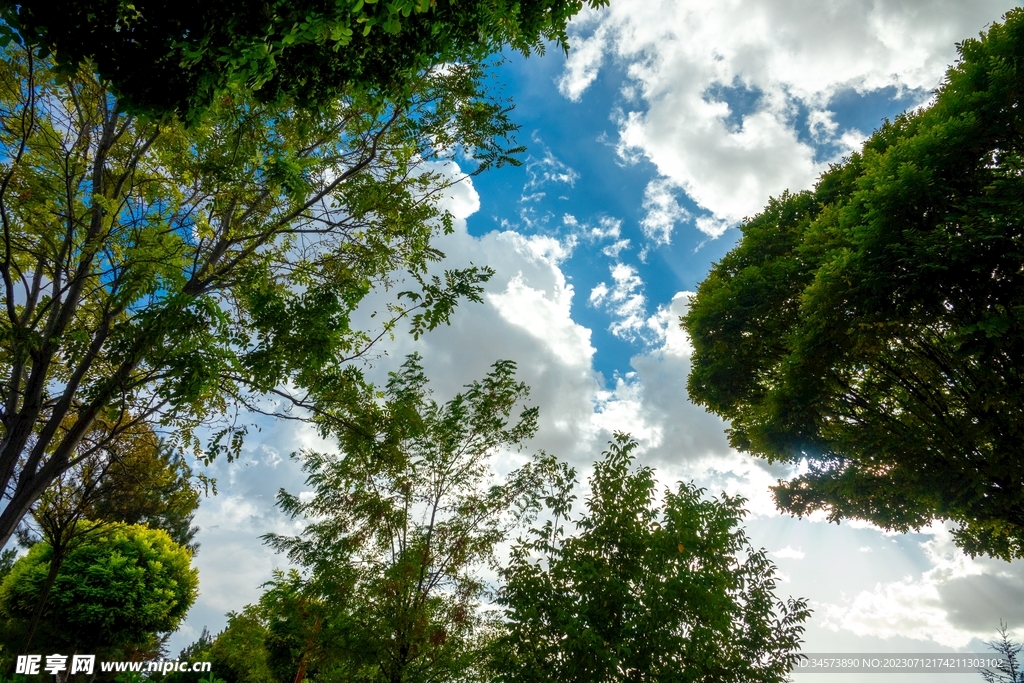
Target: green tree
<point x="394" y="549"/>
<point x="874" y="327"/>
<point x="164" y="57"/>
<point x="113" y="595"/>
<point x="135" y="479"/>
<point x="197" y="651"/>
<point x="239" y="653"/>
<point x="149" y="483"/>
<point x="643" y="591"/>
<point x="171" y="275"/>
<point x="275" y="639"/>
<point x="7" y="559"/>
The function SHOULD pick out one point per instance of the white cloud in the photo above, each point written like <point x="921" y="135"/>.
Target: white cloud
<point x="624" y="299"/>
<point x="667" y="329"/>
<point x="585" y="59"/>
<point x="953" y="602"/>
<point x="613" y="250"/>
<point x="663" y="211"/>
<point x="822" y="125"/>
<point x="789" y="553"/>
<point x="681" y="439"/>
<point x="711" y="226"/>
<point x="460" y="199"/>
<point x="683" y="56"/>
<point x="544" y="316"/>
<point x="233" y="561"/>
<point x="547" y="170"/>
<point x="541" y="173"/>
<point x="598" y="294"/>
<point x="607" y="228"/>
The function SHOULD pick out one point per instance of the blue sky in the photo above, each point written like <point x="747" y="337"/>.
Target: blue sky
<point x="669" y="122"/>
<point x="577" y="140"/>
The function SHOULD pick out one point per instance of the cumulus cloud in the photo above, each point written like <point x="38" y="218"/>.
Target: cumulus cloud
<point x="585" y="57"/>
<point x="526" y="317"/>
<point x="955" y="601"/>
<point x="711" y="226"/>
<point x="684" y="58"/>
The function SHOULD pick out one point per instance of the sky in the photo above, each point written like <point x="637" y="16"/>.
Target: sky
<point x="668" y="123"/>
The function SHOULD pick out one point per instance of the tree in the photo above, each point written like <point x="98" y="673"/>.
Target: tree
<point x="147" y="483"/>
<point x="239" y="652"/>
<point x="163" y="57"/>
<point x="153" y="272"/>
<point x="392" y="554"/>
<point x="7" y="559"/>
<point x="272" y="640"/>
<point x="113" y="594"/>
<point x="135" y="479"/>
<point x="642" y="591"/>
<point x="874" y="327"/>
<point x="197" y="651"/>
<point x="1009" y="670"/>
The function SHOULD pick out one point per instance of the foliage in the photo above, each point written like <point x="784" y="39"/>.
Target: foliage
<point x="238" y="654"/>
<point x="642" y="591"/>
<point x="113" y="594"/>
<point x="149" y="483"/>
<point x="171" y="275"/>
<point x="134" y="479"/>
<point x="180" y="56"/>
<point x="197" y="651"/>
<point x="393" y="549"/>
<point x="873" y="326"/>
<point x="295" y="619"/>
<point x="1009" y="670"/>
<point x="7" y="559"/>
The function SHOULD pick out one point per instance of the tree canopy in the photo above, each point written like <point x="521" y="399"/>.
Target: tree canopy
<point x="394" y="549"/>
<point x="171" y="274"/>
<point x="113" y="594"/>
<point x="165" y="57"/>
<point x="874" y="327"/>
<point x="134" y="479"/>
<point x="391" y="559"/>
<point x="643" y="591"/>
<point x="146" y="483"/>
